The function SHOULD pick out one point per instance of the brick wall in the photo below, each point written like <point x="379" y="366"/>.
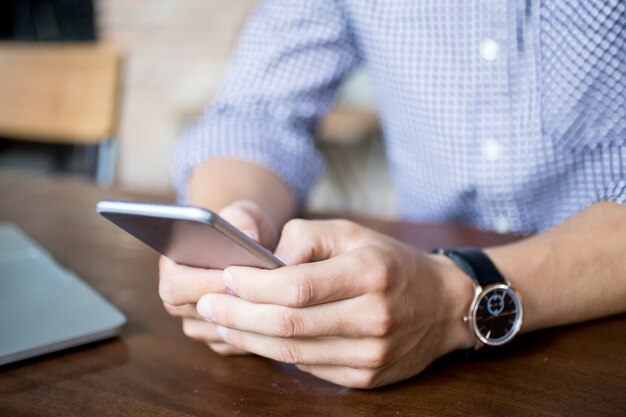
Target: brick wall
<point x="174" y="52"/>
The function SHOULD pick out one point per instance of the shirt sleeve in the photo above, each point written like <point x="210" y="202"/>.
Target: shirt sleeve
<point x="281" y="79"/>
<point x="616" y="191"/>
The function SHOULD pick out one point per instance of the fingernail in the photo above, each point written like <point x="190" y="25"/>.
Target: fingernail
<point x="222" y="332"/>
<point x="204" y="309"/>
<point x="227" y="279"/>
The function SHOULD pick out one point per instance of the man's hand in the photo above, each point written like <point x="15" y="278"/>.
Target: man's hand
<point x="354" y="307"/>
<point x="181" y="286"/>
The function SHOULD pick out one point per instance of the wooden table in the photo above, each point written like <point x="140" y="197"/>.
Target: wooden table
<point x="153" y="370"/>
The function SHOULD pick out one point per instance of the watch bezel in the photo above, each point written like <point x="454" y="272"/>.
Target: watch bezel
<point x="478" y="294"/>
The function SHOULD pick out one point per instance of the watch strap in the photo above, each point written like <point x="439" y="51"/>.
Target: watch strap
<point x="476" y="264"/>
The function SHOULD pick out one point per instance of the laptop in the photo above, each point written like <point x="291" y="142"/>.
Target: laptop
<point x="43" y="306"/>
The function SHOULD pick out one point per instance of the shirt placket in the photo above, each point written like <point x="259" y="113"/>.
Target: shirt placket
<point x="493" y="113"/>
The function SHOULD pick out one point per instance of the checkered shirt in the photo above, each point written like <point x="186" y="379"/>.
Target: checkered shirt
<point x="505" y="115"/>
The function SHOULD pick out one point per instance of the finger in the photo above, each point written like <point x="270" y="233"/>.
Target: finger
<point x="183" y="311"/>
<point x="225" y="349"/>
<point x="239" y="214"/>
<point x="349" y="275"/>
<point x="181" y="284"/>
<point x="334" y="319"/>
<point x="345" y="376"/>
<point x="203" y="331"/>
<point x="334" y="351"/>
<point x="267" y="230"/>
<point x="313" y="240"/>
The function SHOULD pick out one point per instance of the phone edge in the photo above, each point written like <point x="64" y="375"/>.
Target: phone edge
<point x="169" y="211"/>
<point x="191" y="213"/>
<point x="245" y="242"/>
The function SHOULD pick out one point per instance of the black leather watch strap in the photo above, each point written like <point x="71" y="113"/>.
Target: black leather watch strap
<point x="474" y="263"/>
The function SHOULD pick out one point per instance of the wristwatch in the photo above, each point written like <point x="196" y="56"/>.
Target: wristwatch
<point x="495" y="314"/>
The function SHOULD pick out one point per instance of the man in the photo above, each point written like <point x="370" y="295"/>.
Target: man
<point x="501" y="115"/>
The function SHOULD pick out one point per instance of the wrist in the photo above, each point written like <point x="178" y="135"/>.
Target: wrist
<point x="458" y="289"/>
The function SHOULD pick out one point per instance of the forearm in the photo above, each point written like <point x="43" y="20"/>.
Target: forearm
<point x="218" y="182"/>
<point x="572" y="273"/>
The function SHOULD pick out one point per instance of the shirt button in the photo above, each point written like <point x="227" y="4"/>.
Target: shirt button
<point x="501" y="224"/>
<point x="489" y="49"/>
<point x="491" y="150"/>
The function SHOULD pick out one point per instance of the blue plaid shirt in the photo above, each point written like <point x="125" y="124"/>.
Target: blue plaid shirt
<point x="505" y="115"/>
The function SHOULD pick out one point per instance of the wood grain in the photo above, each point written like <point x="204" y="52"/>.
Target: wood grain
<point x="58" y="93"/>
<point x="153" y="370"/>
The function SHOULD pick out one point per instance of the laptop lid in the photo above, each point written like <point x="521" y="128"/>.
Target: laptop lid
<point x="43" y="306"/>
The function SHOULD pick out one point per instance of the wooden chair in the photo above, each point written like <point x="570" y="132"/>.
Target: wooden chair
<point x="62" y="93"/>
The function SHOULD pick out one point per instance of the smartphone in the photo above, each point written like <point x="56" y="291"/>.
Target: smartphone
<point x="188" y="235"/>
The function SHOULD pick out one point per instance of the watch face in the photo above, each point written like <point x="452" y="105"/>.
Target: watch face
<point x="497" y="314"/>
